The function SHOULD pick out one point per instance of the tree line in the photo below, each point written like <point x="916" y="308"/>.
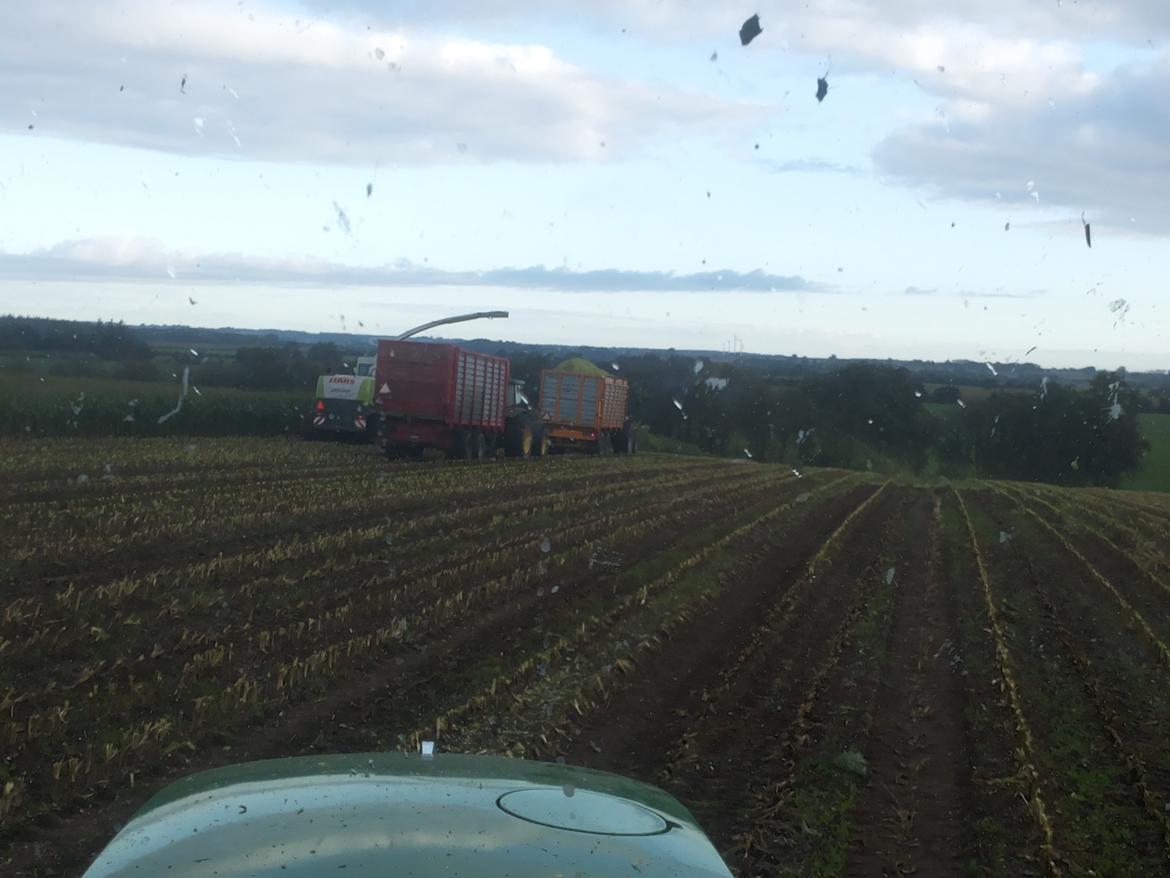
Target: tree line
<point x="868" y="416"/>
<point x="857" y="415"/>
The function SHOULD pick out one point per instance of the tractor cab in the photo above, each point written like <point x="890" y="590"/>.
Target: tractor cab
<point x="517" y="400"/>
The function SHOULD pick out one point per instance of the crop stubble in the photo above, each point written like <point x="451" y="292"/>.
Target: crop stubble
<point x="837" y="675"/>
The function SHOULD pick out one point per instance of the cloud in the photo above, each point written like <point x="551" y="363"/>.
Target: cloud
<point x="1018" y="96"/>
<point x="250" y="82"/>
<point x="1132" y="20"/>
<point x="364" y="82"/>
<point x="138" y="259"/>
<point x="1103" y="151"/>
<point x="810" y="166"/>
<point x="1000" y="294"/>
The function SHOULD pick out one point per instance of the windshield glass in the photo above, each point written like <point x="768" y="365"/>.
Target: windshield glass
<point x="767" y="405"/>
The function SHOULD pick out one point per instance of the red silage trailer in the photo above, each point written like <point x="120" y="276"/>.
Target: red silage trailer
<point x="440" y="396"/>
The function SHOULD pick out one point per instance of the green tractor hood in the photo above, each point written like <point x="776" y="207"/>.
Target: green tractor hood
<point x="394" y="815"/>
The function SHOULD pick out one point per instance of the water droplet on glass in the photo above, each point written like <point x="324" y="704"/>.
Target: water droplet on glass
<point x="171" y="271"/>
<point x="748" y="454"/>
<point x="698" y="366"/>
<point x="82" y="479"/>
<point x="568" y="790"/>
<point x="1004" y="536"/>
<point x="889" y="575"/>
<point x="918" y="393"/>
<point x="677" y="404"/>
<point x="546" y="545"/>
<point x="198" y="122"/>
<point x="388" y="539"/>
<point x="193" y="352"/>
<point x="869" y="421"/>
<point x="555" y="589"/>
<point x="991" y="368"/>
<point x="615" y="367"/>
<point x="796" y="473"/>
<point x="961" y="404"/>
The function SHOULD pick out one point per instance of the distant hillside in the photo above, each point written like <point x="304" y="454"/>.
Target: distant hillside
<point x="19" y="334"/>
<point x="960" y="372"/>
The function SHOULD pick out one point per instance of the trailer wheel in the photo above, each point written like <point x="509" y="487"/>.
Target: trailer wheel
<point x="604" y="444"/>
<point x="463" y="447"/>
<point x="478" y="445"/>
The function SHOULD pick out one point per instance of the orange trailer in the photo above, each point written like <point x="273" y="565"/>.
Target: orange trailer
<point x="585" y="411"/>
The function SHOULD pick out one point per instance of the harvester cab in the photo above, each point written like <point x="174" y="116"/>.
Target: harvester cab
<point x="343" y="406"/>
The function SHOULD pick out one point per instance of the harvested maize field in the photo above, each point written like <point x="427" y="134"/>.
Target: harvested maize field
<point x="837" y="674"/>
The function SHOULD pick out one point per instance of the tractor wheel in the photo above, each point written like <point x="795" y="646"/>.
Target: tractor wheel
<point x="478" y="445"/>
<point x="518" y="440"/>
<point x="541" y="446"/>
<point x="604" y="445"/>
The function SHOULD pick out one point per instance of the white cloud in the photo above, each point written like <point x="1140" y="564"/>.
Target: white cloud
<point x="1103" y="150"/>
<point x="846" y="27"/>
<point x="1017" y="96"/>
<point x="300" y="90"/>
<point x="375" y="83"/>
<point x="144" y="259"/>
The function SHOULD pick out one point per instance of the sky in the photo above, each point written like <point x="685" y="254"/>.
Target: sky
<point x="610" y="173"/>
